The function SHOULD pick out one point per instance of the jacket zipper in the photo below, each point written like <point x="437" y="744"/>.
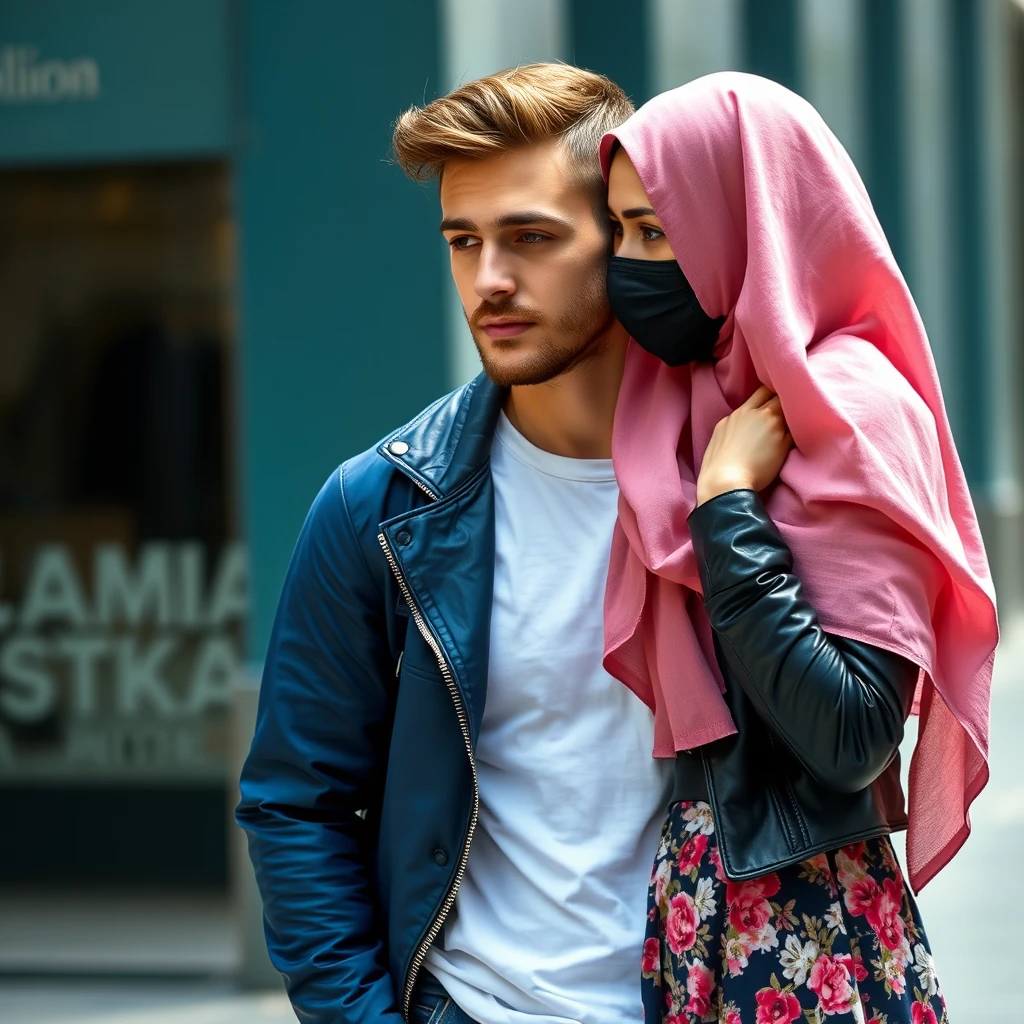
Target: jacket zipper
<point x="406" y="471"/>
<point x="460" y="710"/>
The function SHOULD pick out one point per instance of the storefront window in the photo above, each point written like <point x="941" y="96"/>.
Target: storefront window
<point x="123" y="588"/>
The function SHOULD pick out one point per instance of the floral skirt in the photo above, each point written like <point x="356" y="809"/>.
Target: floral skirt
<point x="837" y="936"/>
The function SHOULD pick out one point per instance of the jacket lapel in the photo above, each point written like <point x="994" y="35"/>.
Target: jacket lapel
<point x="445" y="550"/>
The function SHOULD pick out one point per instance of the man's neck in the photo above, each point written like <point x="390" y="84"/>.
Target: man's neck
<point x="572" y="415"/>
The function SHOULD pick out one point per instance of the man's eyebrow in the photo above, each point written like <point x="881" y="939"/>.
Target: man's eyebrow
<point x="457" y="224"/>
<point x="521" y="219"/>
<point x="635" y="211"/>
<point x="508" y="220"/>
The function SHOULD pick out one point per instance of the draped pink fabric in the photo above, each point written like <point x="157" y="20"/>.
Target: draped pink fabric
<point x="773" y="228"/>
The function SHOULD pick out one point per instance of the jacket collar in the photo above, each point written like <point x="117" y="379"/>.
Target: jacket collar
<point x="450" y="441"/>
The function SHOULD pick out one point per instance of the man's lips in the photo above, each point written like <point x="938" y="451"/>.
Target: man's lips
<point x="500" y="328"/>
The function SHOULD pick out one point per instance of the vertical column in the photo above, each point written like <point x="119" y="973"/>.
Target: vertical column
<point x="480" y="37"/>
<point x="884" y="119"/>
<point x="971" y="322"/>
<point x="335" y="244"/>
<point x="1001" y="111"/>
<point x="833" y="61"/>
<point x="690" y="38"/>
<point x="771" y="41"/>
<point x="928" y="195"/>
<point x="341" y="292"/>
<point x="611" y="37"/>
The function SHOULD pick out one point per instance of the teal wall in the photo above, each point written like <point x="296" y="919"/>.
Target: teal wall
<point x="770" y="40"/>
<point x="884" y="170"/>
<point x="613" y="38"/>
<point x="341" y="266"/>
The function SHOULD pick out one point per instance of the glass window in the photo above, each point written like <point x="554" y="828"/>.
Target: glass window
<point x="122" y="585"/>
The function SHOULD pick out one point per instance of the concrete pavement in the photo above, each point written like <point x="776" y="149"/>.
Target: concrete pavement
<point x="137" y="1002"/>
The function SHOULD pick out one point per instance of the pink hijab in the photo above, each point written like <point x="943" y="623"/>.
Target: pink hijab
<point x="773" y="228"/>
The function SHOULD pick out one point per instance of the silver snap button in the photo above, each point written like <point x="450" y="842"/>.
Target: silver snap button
<point x="398" y="447"/>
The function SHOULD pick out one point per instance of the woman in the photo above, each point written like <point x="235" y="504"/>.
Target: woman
<point x="797" y="566"/>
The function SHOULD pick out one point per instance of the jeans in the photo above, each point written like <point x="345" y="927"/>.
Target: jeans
<point x="432" y="1005"/>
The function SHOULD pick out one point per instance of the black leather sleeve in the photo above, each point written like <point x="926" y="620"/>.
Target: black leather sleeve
<point x="839" y="705"/>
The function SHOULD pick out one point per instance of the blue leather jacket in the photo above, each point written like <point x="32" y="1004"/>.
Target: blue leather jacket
<point x="360" y="795"/>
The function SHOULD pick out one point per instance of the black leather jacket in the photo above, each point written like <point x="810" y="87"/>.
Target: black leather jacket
<point x="815" y="763"/>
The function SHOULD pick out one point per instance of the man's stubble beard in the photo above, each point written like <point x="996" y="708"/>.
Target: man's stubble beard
<point x="576" y="338"/>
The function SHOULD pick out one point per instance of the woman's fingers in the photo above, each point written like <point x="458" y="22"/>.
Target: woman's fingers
<point x="773" y="408"/>
<point x="760" y="397"/>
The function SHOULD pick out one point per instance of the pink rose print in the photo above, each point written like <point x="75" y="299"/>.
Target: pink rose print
<point x="890" y="932"/>
<point x="887" y="901"/>
<point x="776" y="1007"/>
<point x="692" y="852"/>
<point x="859" y="971"/>
<point x="749" y="910"/>
<point x="750" y="913"/>
<point x="922" y="1014"/>
<point x="767" y="886"/>
<point x="733" y="1017"/>
<point x="856" y="851"/>
<point x="830" y="982"/>
<point x="681" y="923"/>
<point x="652" y="956"/>
<point x="699" y="984"/>
<point x="884" y="914"/>
<point x="861" y="896"/>
<point x="716" y="859"/>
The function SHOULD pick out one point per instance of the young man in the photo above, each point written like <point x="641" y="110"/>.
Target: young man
<point x="452" y="809"/>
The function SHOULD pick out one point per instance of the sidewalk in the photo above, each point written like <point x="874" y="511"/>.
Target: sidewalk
<point x="137" y="1002"/>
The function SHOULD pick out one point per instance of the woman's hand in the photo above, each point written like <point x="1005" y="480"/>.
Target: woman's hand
<point x="747" y="448"/>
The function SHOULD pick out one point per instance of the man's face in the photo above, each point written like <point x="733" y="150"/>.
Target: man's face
<point x="529" y="261"/>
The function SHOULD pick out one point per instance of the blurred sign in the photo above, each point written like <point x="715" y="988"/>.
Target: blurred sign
<point x="126" y="674"/>
<point x="113" y="80"/>
<point x="24" y="78"/>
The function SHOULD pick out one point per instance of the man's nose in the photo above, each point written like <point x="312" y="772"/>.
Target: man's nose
<point x="493" y="275"/>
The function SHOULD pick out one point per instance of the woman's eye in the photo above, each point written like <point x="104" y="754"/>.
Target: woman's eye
<point x="463" y="242"/>
<point x="616" y="228"/>
<point x="649" y="234"/>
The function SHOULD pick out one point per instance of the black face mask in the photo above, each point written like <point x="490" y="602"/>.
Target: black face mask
<point x="654" y="302"/>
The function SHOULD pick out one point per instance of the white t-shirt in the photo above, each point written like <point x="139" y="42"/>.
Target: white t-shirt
<point x="549" y="921"/>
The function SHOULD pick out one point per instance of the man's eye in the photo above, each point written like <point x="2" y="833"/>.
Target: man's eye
<point x="533" y="237"/>
<point x="651" y="234"/>
<point x="464" y="242"/>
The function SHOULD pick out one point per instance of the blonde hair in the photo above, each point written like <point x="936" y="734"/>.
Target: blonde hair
<point x="515" y="107"/>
